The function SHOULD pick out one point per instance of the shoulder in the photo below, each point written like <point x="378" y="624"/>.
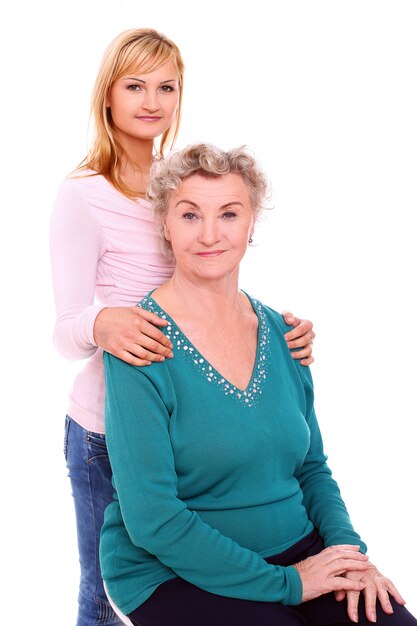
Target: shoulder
<point x="84" y="183"/>
<point x="81" y="198"/>
<point x="98" y="194"/>
<point x="133" y="382"/>
<point x="149" y="304"/>
<point x="274" y="317"/>
<point x="72" y="208"/>
<point x="277" y="323"/>
<point x="75" y="190"/>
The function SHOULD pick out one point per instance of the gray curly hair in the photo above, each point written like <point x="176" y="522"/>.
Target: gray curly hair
<point x="205" y="160"/>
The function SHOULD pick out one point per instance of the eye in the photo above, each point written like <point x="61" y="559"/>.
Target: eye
<point x="167" y="88"/>
<point x="189" y="216"/>
<point x="134" y="87"/>
<point x="229" y="215"/>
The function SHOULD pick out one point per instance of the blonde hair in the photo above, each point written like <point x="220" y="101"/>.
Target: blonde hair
<point x="209" y="161"/>
<point x="142" y="48"/>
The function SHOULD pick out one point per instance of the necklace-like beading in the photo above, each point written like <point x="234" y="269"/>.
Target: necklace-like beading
<point x="180" y="342"/>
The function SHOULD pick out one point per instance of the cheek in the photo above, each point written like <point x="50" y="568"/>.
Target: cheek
<point x="184" y="239"/>
<point x="120" y="105"/>
<point x="180" y="242"/>
<point x="115" y="111"/>
<point x="242" y="237"/>
<point x="172" y="106"/>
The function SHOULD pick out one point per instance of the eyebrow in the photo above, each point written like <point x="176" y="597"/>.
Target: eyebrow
<point x="224" y="206"/>
<point x="140" y="80"/>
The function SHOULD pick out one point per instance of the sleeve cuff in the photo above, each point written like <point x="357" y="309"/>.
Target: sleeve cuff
<point x="295" y="587"/>
<point x="86" y="323"/>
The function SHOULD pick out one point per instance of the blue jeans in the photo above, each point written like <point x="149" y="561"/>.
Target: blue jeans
<point x="90" y="474"/>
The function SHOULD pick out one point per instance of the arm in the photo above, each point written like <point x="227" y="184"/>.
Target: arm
<point x="76" y="246"/>
<point x="322" y="498"/>
<point x="328" y="513"/>
<point x="81" y="326"/>
<point x="300" y="338"/>
<point x="139" y="405"/>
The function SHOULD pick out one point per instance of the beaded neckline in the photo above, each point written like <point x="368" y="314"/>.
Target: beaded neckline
<point x="249" y="396"/>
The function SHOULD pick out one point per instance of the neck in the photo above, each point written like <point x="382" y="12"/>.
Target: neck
<point x="135" y="160"/>
<point x="207" y="300"/>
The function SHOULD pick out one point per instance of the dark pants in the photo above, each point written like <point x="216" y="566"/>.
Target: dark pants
<point x="179" y="603"/>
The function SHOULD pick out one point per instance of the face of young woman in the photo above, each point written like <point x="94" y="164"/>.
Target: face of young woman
<point x="143" y="106"/>
<point x="209" y="223"/>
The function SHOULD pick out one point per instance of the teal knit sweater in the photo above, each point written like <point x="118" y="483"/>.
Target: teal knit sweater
<point x="210" y="479"/>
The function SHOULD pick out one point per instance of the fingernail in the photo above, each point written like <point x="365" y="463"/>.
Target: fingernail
<point x="162" y="358"/>
<point x="373" y="617"/>
<point x="355" y="617"/>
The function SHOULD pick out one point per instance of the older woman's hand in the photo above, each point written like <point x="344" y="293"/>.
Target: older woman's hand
<point x="300" y="339"/>
<point x="324" y="572"/>
<point x="376" y="587"/>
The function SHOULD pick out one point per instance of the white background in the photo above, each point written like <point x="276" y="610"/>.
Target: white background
<point x="325" y="94"/>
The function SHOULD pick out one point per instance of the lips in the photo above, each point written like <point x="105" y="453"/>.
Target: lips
<point x="147" y="118"/>
<point x="209" y="255"/>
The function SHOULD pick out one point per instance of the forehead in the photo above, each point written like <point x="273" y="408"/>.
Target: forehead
<point x="220" y="189"/>
<point x="166" y="71"/>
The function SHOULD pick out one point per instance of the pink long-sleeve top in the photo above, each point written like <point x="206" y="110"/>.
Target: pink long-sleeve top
<point x="105" y="251"/>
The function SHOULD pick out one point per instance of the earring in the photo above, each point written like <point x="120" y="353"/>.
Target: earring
<point x="250" y="240"/>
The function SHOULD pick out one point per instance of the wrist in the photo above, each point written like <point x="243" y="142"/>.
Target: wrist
<point x="94" y="313"/>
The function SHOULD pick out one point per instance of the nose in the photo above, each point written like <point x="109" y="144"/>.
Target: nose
<point x="150" y="101"/>
<point x="209" y="232"/>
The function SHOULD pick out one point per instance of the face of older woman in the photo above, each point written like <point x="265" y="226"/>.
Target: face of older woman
<point x="209" y="222"/>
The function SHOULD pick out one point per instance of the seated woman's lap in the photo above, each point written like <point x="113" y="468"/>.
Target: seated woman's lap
<point x="325" y="611"/>
<point x="179" y="603"/>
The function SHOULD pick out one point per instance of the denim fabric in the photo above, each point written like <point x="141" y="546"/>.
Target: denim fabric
<point x="90" y="474"/>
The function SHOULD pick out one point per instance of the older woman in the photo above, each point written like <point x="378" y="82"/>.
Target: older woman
<point x="225" y="509"/>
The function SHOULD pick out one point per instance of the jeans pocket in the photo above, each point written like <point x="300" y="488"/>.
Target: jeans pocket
<point x="66" y="431"/>
<point x="96" y="446"/>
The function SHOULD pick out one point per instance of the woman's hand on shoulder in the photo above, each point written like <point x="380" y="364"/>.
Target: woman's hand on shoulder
<point x="377" y="587"/>
<point x="131" y="334"/>
<point x="300" y="338"/>
<point x="325" y="571"/>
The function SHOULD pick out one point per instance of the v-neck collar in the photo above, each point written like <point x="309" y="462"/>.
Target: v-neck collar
<point x="181" y="343"/>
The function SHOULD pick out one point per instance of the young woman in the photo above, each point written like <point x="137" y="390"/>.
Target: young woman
<point x="105" y="257"/>
<point x="225" y="512"/>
